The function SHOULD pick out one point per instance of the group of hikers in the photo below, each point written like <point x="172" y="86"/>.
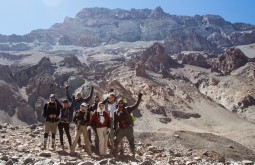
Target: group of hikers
<point x="110" y="126"/>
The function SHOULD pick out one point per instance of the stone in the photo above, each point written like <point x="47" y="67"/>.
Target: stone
<point x="45" y="154"/>
<point x="153" y="149"/>
<point x="222" y="159"/>
<point x="197" y="158"/>
<point x="247" y="162"/>
<point x="104" y="161"/>
<point x="190" y="162"/>
<point x="9" y="162"/>
<point x="140" y="70"/>
<point x="5" y="158"/>
<point x="86" y="163"/>
<point x="28" y="160"/>
<point x="146" y="162"/>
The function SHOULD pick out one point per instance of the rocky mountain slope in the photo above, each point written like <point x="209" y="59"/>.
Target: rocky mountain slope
<point x="96" y="26"/>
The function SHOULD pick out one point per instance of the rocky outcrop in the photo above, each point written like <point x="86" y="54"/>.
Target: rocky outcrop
<point x="71" y="61"/>
<point x="13" y="104"/>
<point x="6" y="74"/>
<point x="140" y="70"/>
<point x="154" y="58"/>
<point x="246" y="102"/>
<point x="196" y="60"/>
<point x="232" y="59"/>
<point x="23" y="76"/>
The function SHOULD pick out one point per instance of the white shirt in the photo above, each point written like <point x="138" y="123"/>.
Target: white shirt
<point x="111" y="109"/>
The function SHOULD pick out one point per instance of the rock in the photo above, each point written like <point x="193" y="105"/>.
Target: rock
<point x="5" y="158"/>
<point x="197" y="158"/>
<point x="23" y="76"/>
<point x="147" y="162"/>
<point x="246" y="102"/>
<point x="33" y="126"/>
<point x="247" y="162"/>
<point x="86" y="163"/>
<point x="9" y="162"/>
<point x="71" y="61"/>
<point x="196" y="60"/>
<point x="153" y="149"/>
<point x="165" y="120"/>
<point x="155" y="58"/>
<point x="190" y="162"/>
<point x="222" y="159"/>
<point x="104" y="161"/>
<point x="28" y="160"/>
<point x="232" y="59"/>
<point x="45" y="154"/>
<point x="112" y="161"/>
<point x="184" y="115"/>
<point x="140" y="70"/>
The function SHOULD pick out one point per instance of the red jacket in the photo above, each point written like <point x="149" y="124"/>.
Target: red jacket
<point x="95" y="120"/>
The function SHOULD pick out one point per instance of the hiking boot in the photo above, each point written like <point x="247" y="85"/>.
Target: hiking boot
<point x="43" y="147"/>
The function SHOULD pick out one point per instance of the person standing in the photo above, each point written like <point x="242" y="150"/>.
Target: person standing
<point x="82" y="119"/>
<point x="78" y="101"/>
<point x="123" y="124"/>
<point x="51" y="111"/>
<point x="65" y="118"/>
<point x="101" y="121"/>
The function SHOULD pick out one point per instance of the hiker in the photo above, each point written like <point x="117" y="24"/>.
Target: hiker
<point x="111" y="101"/>
<point x="123" y="124"/>
<point x="65" y="118"/>
<point x="92" y="108"/>
<point x="81" y="119"/>
<point x="101" y="121"/>
<point x="51" y="111"/>
<point x="78" y="101"/>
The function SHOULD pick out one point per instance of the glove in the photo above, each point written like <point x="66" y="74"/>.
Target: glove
<point x="67" y="87"/>
<point x="108" y="131"/>
<point x="89" y="128"/>
<point x="140" y="95"/>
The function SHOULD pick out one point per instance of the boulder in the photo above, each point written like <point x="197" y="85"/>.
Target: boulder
<point x="232" y="59"/>
<point x="140" y="70"/>
<point x="196" y="60"/>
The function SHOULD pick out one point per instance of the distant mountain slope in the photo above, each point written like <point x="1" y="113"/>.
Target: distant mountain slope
<point x="95" y="26"/>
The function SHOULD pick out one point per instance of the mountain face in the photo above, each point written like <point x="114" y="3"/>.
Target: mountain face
<point x="95" y="26"/>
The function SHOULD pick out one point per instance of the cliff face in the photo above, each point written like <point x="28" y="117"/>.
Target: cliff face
<point x="96" y="26"/>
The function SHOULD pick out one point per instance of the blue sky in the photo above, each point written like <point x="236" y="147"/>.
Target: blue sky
<point x="22" y="16"/>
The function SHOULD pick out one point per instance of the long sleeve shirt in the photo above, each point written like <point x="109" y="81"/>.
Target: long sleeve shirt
<point x="51" y="109"/>
<point x="82" y="118"/>
<point x="78" y="102"/>
<point x="122" y="117"/>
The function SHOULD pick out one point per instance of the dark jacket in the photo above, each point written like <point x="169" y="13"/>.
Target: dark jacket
<point x="93" y="107"/>
<point x="66" y="115"/>
<point x="122" y="118"/>
<point x="95" y="120"/>
<point x="81" y="118"/>
<point x="78" y="102"/>
<point x="51" y="109"/>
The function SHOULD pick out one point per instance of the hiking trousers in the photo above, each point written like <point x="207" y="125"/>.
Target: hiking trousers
<point x="103" y="138"/>
<point x="61" y="127"/>
<point x="129" y="134"/>
<point x="82" y="129"/>
<point x="50" y="127"/>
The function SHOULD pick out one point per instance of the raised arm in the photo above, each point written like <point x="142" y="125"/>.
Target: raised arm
<point x="86" y="100"/>
<point x="133" y="107"/>
<point x="68" y="95"/>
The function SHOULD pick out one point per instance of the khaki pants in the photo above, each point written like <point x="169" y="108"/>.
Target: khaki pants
<point x="103" y="138"/>
<point x="82" y="129"/>
<point x="50" y="127"/>
<point x="126" y="132"/>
